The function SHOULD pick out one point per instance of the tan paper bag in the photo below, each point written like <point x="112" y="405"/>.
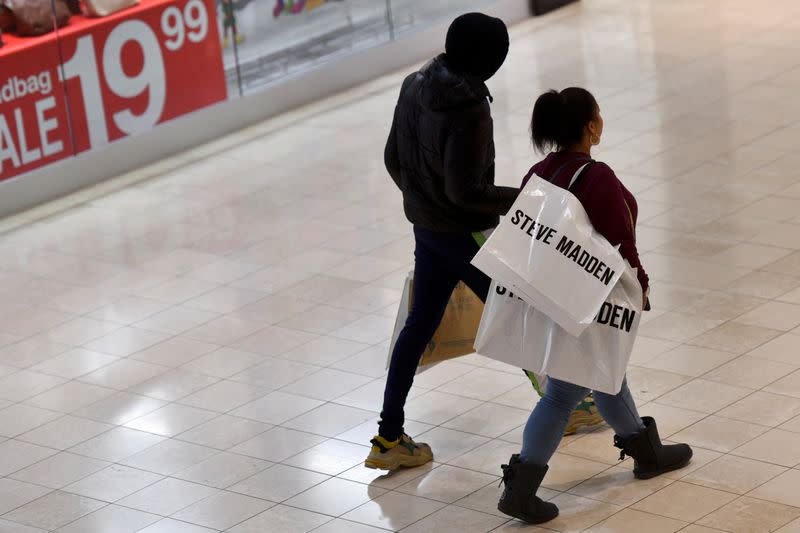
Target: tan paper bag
<point x="455" y="336"/>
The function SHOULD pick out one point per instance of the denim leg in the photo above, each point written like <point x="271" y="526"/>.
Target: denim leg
<point x="620" y="411"/>
<point x="548" y="421"/>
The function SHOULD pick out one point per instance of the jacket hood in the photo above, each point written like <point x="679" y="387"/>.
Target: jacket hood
<point x="442" y="87"/>
<point x="478" y="44"/>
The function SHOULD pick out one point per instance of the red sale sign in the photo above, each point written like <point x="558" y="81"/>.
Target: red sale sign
<point x="120" y="76"/>
<point x="34" y="127"/>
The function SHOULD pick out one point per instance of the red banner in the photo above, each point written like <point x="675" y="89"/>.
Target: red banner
<point x="121" y="75"/>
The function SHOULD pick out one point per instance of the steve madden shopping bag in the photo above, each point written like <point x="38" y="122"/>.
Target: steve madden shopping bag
<point x="548" y="251"/>
<point x="516" y="333"/>
<point x="455" y="336"/>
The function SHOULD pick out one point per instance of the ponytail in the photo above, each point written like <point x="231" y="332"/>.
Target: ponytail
<point x="560" y="118"/>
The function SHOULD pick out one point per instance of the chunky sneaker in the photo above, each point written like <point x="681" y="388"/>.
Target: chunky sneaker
<point x="402" y="453"/>
<point x="584" y="416"/>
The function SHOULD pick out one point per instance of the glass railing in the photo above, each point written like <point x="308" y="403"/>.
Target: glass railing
<point x="115" y="68"/>
<point x="283" y="37"/>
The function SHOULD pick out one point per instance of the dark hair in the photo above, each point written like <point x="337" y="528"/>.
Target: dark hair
<point x="559" y="118"/>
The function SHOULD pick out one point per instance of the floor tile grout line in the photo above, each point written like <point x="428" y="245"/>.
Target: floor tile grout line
<point x="773" y="428"/>
<point x="154" y="170"/>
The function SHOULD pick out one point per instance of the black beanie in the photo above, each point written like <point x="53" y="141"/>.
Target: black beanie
<point x="477" y="44"/>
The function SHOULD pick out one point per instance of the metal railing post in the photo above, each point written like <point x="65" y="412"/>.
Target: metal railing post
<point x="390" y="19"/>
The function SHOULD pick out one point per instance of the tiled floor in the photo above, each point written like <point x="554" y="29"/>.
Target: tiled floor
<point x="205" y="350"/>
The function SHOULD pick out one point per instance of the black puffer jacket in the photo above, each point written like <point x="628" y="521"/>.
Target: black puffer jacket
<point x="440" y="152"/>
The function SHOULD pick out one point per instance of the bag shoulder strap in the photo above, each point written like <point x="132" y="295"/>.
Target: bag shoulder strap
<point x="561" y="169"/>
<point x="579" y="175"/>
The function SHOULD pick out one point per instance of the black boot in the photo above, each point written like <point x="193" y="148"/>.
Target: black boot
<point x="519" y="497"/>
<point x="650" y="457"/>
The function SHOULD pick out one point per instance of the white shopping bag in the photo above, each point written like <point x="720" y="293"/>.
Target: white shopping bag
<point x="516" y="333"/>
<point x="548" y="250"/>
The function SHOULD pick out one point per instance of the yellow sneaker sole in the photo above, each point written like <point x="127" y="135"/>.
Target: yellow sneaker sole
<point x="396" y="462"/>
<point x="582" y="419"/>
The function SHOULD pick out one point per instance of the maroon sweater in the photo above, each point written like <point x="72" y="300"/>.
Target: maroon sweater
<point x="612" y="209"/>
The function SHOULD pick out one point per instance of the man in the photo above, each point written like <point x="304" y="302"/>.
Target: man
<point x="440" y="153"/>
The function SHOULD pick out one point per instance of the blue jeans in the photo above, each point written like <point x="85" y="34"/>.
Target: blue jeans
<point x="549" y="418"/>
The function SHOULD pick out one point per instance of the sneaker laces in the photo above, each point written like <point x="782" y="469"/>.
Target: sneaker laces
<point x="408" y="443"/>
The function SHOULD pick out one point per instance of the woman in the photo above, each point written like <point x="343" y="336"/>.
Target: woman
<point x="569" y="123"/>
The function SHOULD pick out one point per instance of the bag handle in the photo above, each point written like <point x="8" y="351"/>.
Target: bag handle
<point x="579" y="174"/>
<point x="560" y="169"/>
